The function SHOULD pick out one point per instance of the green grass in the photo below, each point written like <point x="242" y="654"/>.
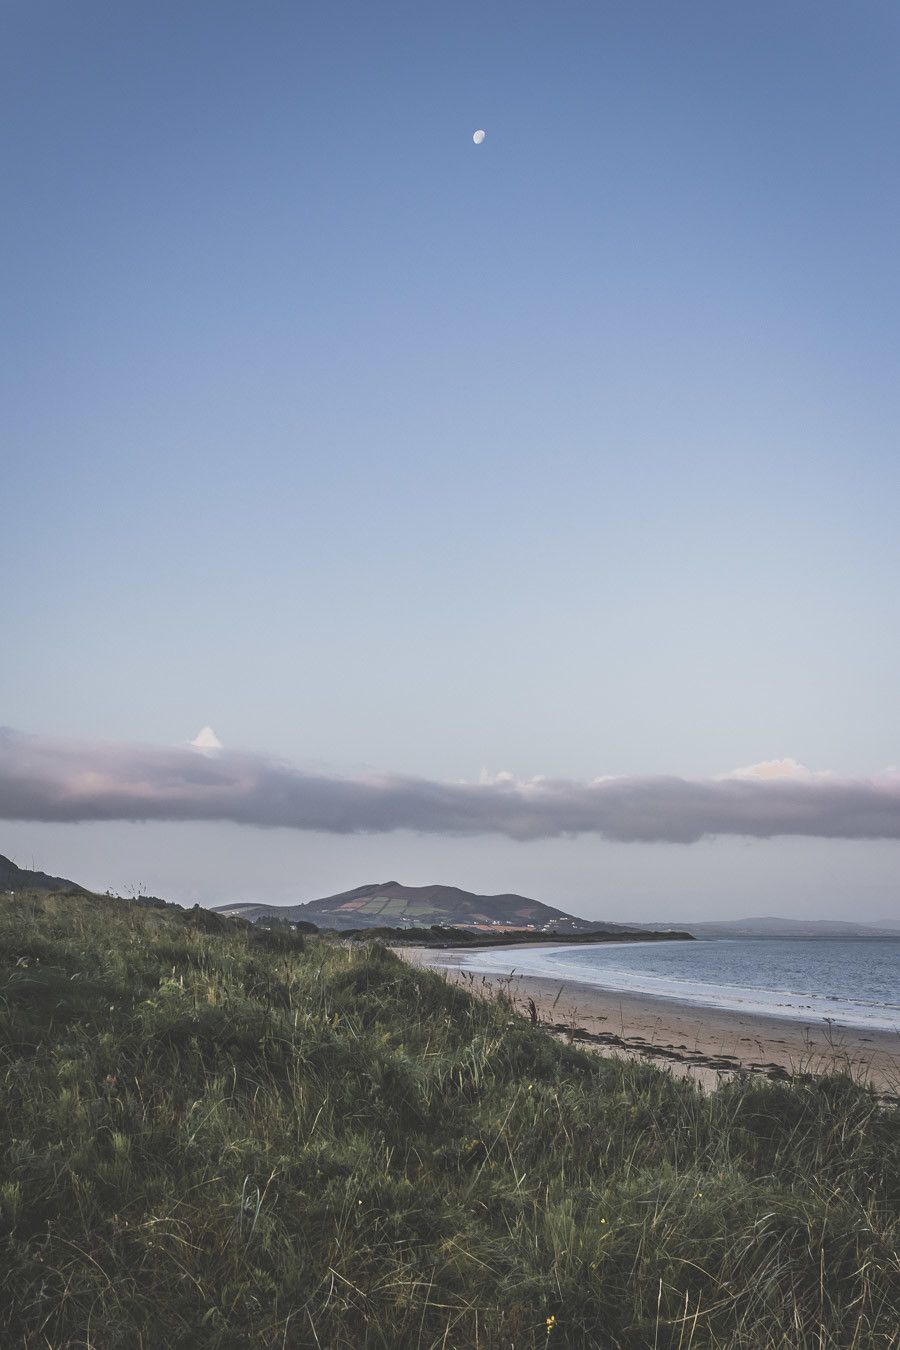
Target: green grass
<point x="218" y="1136"/>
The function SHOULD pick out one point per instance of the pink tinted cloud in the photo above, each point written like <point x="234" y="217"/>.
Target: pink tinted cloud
<point x="45" y="779"/>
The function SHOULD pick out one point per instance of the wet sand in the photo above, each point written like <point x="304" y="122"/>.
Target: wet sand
<point x="705" y="1044"/>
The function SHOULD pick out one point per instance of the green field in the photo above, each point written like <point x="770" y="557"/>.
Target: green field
<point x="219" y="1136"/>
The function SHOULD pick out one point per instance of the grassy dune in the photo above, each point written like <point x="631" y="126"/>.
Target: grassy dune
<point x="215" y="1136"/>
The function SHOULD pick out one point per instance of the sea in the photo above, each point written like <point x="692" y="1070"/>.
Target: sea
<point x="850" y="982"/>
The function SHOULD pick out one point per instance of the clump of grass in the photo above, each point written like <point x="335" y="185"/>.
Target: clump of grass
<point x="217" y="1136"/>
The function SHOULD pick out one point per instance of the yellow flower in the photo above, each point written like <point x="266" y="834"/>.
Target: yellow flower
<point x="551" y="1323"/>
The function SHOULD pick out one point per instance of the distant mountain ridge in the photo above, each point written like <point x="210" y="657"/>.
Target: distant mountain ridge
<point x="391" y="904"/>
<point x="14" y="878"/>
<point x="775" y="927"/>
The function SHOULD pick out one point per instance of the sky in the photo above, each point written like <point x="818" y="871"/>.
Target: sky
<point x="571" y="456"/>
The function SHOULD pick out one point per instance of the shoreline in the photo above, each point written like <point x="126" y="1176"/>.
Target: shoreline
<point x="704" y="1044"/>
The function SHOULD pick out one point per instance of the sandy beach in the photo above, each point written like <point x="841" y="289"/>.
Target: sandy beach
<point x="704" y="1044"/>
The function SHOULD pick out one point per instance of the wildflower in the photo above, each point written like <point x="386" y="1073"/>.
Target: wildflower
<point x="603" y="1221"/>
<point x="551" y="1323"/>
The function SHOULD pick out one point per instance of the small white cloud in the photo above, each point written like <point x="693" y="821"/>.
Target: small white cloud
<point x="774" y="768"/>
<point x="206" y="739"/>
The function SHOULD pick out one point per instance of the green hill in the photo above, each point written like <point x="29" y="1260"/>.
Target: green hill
<point x="391" y="904"/>
<point x="219" y="1136"/>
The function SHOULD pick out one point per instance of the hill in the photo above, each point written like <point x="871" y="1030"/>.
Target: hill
<point x="217" y="1136"/>
<point x="390" y="904"/>
<point x="13" y="878"/>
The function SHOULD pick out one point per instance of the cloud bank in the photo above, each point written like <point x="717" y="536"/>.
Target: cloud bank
<point x="44" y="779"/>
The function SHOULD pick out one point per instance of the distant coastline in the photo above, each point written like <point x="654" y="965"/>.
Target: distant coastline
<point x="703" y="1043"/>
<point x="799" y="980"/>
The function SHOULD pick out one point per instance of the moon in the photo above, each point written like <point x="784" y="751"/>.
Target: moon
<point x="478" y="137"/>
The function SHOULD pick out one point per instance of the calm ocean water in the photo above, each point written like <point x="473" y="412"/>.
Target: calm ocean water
<point x="855" y="983"/>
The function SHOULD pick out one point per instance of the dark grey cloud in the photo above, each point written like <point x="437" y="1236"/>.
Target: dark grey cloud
<point x="43" y="779"/>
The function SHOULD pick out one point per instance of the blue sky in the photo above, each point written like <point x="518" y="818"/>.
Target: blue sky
<point x="574" y="453"/>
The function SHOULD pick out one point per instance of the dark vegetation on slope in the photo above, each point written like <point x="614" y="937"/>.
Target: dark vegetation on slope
<point x="440" y="936"/>
<point x="220" y="1136"/>
<point x="15" y="878"/>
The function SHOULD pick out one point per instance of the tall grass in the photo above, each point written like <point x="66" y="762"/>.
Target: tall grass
<point x="216" y="1136"/>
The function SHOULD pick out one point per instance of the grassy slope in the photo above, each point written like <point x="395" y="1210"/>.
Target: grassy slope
<point x="219" y="1139"/>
